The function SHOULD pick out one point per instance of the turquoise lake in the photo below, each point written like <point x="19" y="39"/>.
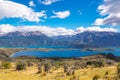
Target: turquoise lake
<point x="64" y="53"/>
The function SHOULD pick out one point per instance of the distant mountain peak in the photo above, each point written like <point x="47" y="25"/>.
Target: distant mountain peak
<point x="87" y="38"/>
<point x="18" y="33"/>
<point x="32" y="33"/>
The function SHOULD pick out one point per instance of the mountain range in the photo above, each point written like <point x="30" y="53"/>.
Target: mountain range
<point x="84" y="39"/>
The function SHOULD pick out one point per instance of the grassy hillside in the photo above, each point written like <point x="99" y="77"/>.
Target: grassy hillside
<point x="86" y="68"/>
<point x="104" y="73"/>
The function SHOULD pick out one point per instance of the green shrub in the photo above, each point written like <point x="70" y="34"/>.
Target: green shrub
<point x="46" y="67"/>
<point x="21" y="66"/>
<point x="29" y="63"/>
<point x="6" y="65"/>
<point x="65" y="68"/>
<point x="59" y="63"/>
<point x="39" y="69"/>
<point x="106" y="73"/>
<point x="70" y="72"/>
<point x="96" y="77"/>
<point x="118" y="68"/>
<point x="95" y="63"/>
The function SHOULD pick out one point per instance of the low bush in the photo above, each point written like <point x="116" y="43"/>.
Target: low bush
<point x="95" y="77"/>
<point x="29" y="63"/>
<point x="6" y="65"/>
<point x="95" y="63"/>
<point x="21" y="66"/>
<point x="106" y="73"/>
<point x="70" y="72"/>
<point x="39" y="69"/>
<point x="47" y="67"/>
<point x="118" y="70"/>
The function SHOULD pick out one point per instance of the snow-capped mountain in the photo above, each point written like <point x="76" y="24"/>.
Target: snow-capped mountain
<point x="85" y="39"/>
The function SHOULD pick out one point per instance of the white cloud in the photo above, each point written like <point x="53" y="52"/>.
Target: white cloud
<point x="95" y="29"/>
<point x="6" y="28"/>
<point x="99" y="21"/>
<point x="48" y="2"/>
<point x="9" y="9"/>
<point x="99" y="29"/>
<point x="61" y="14"/>
<point x="32" y="4"/>
<point x="111" y="13"/>
<point x="46" y="30"/>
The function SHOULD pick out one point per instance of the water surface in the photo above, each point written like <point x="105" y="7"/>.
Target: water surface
<point x="65" y="53"/>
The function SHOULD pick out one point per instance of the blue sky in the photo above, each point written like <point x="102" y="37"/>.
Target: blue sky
<point x="82" y="13"/>
<point x="68" y="14"/>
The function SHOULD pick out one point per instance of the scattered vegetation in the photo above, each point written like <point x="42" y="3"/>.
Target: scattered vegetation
<point x="29" y="63"/>
<point x="21" y="66"/>
<point x="6" y="65"/>
<point x="84" y="68"/>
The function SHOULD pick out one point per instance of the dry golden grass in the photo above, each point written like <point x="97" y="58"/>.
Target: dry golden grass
<point x="31" y="74"/>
